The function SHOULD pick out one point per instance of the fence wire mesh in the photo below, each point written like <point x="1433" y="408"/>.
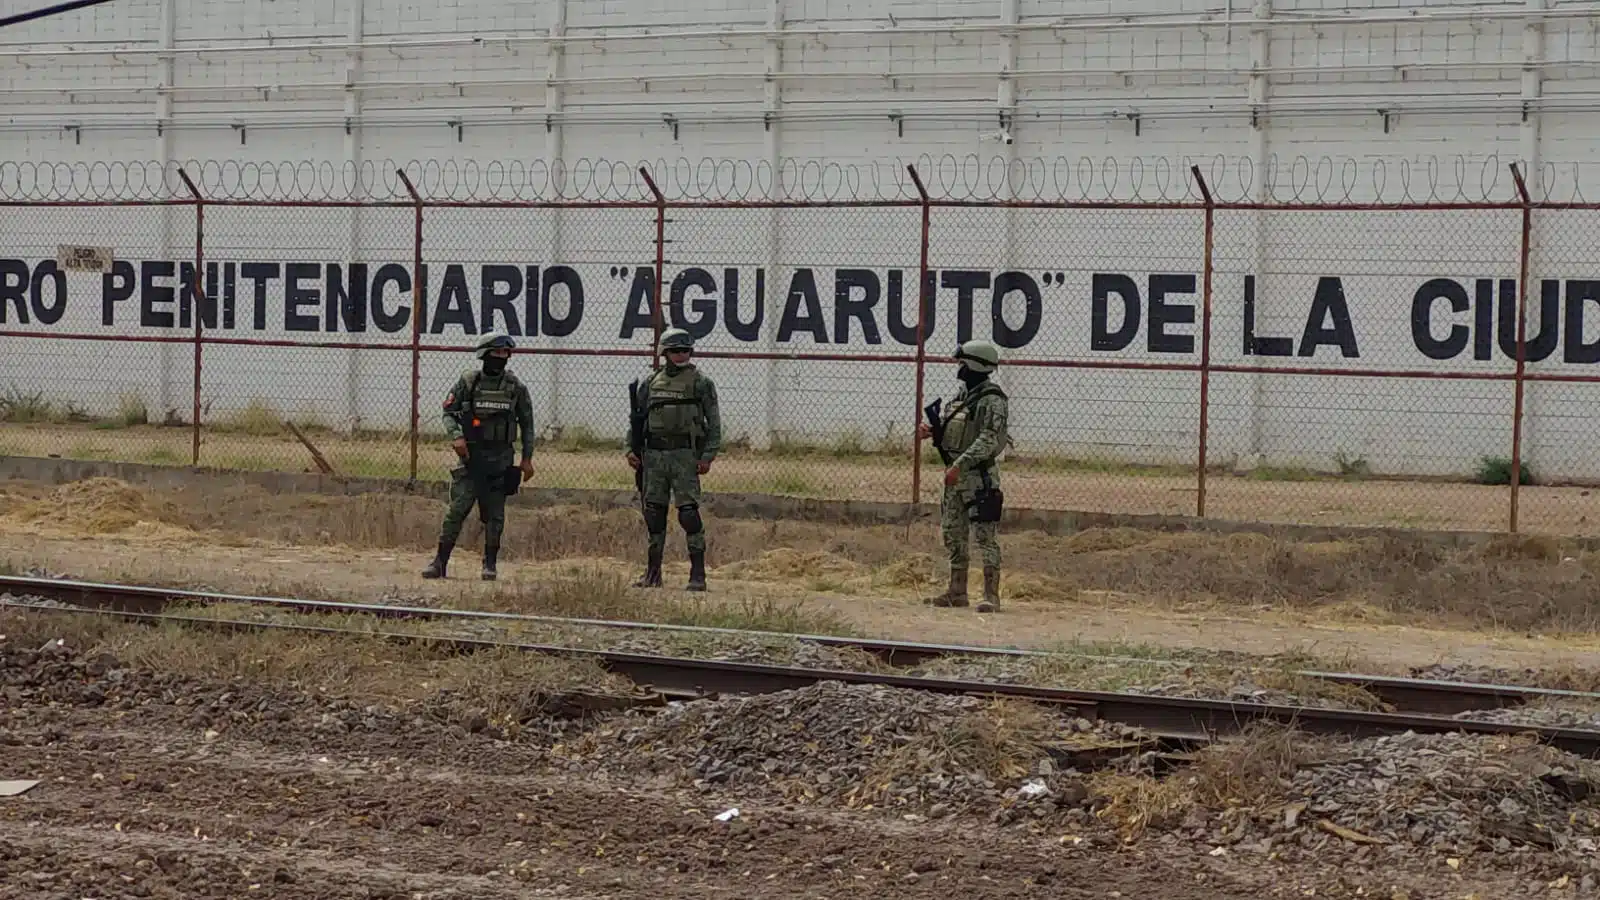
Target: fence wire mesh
<point x="800" y="315"/>
<point x="574" y="287"/>
<point x="1361" y="368"/>
<point x="1364" y="406"/>
<point x="1559" y="462"/>
<point x="307" y="337"/>
<point x="95" y="367"/>
<point x="1086" y="305"/>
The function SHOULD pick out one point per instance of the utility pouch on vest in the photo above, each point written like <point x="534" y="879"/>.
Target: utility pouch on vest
<point x="987" y="504"/>
<point x="988" y="501"/>
<point x="512" y="482"/>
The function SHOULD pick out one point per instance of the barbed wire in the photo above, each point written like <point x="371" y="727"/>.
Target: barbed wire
<point x="1289" y="180"/>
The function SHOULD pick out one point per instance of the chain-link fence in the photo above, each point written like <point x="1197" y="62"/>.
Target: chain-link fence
<point x="1340" y="365"/>
<point x="1341" y="390"/>
<point x="309" y="346"/>
<point x="1095" y="310"/>
<point x="801" y="315"/>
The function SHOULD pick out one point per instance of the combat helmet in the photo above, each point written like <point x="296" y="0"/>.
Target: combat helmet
<point x="979" y="356"/>
<point x="494" y="340"/>
<point x="676" y="339"/>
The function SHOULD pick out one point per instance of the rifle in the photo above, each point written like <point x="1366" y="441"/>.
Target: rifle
<point x="636" y="434"/>
<point x="937" y="426"/>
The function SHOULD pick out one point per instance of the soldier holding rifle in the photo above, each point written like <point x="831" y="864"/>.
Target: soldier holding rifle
<point x="969" y="437"/>
<point x="675" y="434"/>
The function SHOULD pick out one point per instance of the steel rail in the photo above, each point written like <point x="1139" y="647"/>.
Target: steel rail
<point x="1418" y="695"/>
<point x="1180" y="719"/>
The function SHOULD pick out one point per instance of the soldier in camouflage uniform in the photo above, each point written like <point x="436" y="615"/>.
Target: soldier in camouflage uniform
<point x="482" y="415"/>
<point x="974" y="435"/>
<point x="682" y="437"/>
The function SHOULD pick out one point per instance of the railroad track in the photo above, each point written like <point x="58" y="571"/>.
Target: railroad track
<point x="1428" y="705"/>
<point x="1408" y="694"/>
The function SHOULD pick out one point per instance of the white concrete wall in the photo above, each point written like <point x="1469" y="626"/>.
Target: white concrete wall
<point x="814" y="99"/>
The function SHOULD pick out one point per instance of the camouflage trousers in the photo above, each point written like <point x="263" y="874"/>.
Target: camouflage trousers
<point x="670" y="476"/>
<point x="958" y="529"/>
<point x="481" y="483"/>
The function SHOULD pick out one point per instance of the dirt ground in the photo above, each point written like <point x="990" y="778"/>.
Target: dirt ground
<point x="1265" y="496"/>
<point x="160" y="784"/>
<point x="1370" y="604"/>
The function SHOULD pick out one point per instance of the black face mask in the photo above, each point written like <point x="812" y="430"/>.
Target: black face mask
<point x="970" y="378"/>
<point x="494" y="365"/>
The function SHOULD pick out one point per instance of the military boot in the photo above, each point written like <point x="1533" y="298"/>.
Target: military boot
<point x="490" y="554"/>
<point x="697" y="571"/>
<point x="991" y="590"/>
<point x="652" y="573"/>
<point x="441" y="561"/>
<point x="956" y="594"/>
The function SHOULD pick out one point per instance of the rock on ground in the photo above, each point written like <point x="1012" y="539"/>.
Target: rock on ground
<point x="1450" y="795"/>
<point x="865" y="745"/>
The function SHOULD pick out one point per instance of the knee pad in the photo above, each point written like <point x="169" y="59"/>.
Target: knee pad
<point x="689" y="518"/>
<point x="655" y="518"/>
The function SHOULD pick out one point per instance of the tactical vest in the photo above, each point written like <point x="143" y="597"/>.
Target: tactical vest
<point x="673" y="409"/>
<point x="960" y="428"/>
<point x="491" y="410"/>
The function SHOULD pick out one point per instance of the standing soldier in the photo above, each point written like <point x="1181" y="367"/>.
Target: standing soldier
<point x="482" y="415"/>
<point x="677" y="434"/>
<point x="969" y="438"/>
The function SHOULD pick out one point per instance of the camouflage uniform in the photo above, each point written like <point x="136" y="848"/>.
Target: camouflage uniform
<point x="975" y="433"/>
<point x="488" y="410"/>
<point x="682" y="428"/>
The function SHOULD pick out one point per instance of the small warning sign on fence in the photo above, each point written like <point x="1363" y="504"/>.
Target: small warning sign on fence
<point x="84" y="259"/>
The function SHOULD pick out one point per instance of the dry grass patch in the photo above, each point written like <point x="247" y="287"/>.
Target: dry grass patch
<point x="1251" y="770"/>
<point x="998" y="741"/>
<point x="578" y="590"/>
<point x="1254" y="768"/>
<point x="1568" y="677"/>
<point x="96" y="506"/>
<point x="791" y="564"/>
<point x="1087" y="673"/>
<point x="765" y="649"/>
<point x="1138" y="670"/>
<point x="1054" y="671"/>
<point x="404" y="522"/>
<point x="1135" y="804"/>
<point x="913" y="571"/>
<point x="774" y="649"/>
<point x="1510" y="583"/>
<point x="1291" y="681"/>
<point x="1520" y="583"/>
<point x="595" y="593"/>
<point x="505" y="685"/>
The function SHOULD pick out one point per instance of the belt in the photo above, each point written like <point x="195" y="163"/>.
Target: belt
<point x="664" y="442"/>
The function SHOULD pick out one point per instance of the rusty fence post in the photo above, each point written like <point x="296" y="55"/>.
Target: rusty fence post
<point x="198" y="291"/>
<point x="657" y="315"/>
<point x="418" y="300"/>
<point x="923" y="288"/>
<point x="1522" y="340"/>
<point x="1207" y="268"/>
